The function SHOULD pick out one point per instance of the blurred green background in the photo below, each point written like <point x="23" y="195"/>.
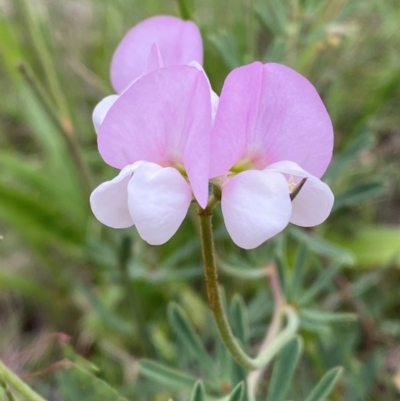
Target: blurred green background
<point x="62" y="272"/>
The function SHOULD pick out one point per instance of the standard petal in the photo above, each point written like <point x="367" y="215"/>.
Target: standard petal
<point x="313" y="204"/>
<point x="154" y="60"/>
<point x="101" y="110"/>
<point x="109" y="201"/>
<point x="164" y="118"/>
<point x="256" y="206"/>
<point x="270" y="113"/>
<point x="159" y="199"/>
<point x="179" y="43"/>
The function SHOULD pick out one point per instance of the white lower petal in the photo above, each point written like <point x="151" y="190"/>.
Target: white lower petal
<point x="313" y="203"/>
<point x="256" y="206"/>
<point x="109" y="201"/>
<point x="158" y="201"/>
<point x="101" y="110"/>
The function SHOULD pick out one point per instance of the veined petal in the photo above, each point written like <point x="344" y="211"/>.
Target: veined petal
<point x="158" y="200"/>
<point x="101" y="110"/>
<point x="256" y="206"/>
<point x="270" y="113"/>
<point x="164" y="118"/>
<point x="109" y="201"/>
<point x="313" y="204"/>
<point x="179" y="43"/>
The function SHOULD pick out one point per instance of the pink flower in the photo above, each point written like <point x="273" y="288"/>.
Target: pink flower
<point x="271" y="131"/>
<point x="154" y="43"/>
<point x="158" y="134"/>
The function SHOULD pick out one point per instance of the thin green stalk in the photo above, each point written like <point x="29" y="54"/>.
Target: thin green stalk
<point x="216" y="305"/>
<point x="47" y="62"/>
<point x="184" y="9"/>
<point x="18" y="385"/>
<point x="46" y="101"/>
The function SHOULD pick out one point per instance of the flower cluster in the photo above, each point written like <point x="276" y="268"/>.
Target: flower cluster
<point x="265" y="142"/>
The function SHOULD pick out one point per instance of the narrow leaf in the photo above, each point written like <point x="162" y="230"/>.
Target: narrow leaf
<point x="324" y="279"/>
<point x="318" y="316"/>
<point x="198" y="392"/>
<point x="165" y="375"/>
<point x="187" y="334"/>
<point x="283" y="370"/>
<point x="298" y="272"/>
<point x="76" y="383"/>
<point x="325" y="385"/>
<point x="237" y="393"/>
<point x="322" y="247"/>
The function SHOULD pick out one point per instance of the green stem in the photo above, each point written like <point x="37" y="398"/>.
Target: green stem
<point x="73" y="147"/>
<point x="184" y="10"/>
<point x="18" y="385"/>
<point x="216" y="305"/>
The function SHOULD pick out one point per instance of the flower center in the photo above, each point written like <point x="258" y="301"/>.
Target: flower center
<point x="242" y="165"/>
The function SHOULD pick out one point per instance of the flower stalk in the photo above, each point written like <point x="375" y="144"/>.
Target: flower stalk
<point x="216" y="305"/>
<point x="18" y="385"/>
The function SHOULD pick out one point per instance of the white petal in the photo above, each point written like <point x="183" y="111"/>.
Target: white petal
<point x="256" y="206"/>
<point x="101" y="110"/>
<point x="214" y="96"/>
<point x="313" y="203"/>
<point x="109" y="201"/>
<point x="158" y="200"/>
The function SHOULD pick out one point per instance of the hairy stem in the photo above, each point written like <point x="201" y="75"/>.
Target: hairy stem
<point x="216" y="305"/>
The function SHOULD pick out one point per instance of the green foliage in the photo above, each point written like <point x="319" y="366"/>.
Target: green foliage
<point x="325" y="385"/>
<point x="62" y="271"/>
<point x="283" y="370"/>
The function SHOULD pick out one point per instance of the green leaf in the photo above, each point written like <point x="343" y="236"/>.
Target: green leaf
<point x="187" y="334"/>
<point x="166" y="375"/>
<point x="298" y="272"/>
<point x="324" y="279"/>
<point x="76" y="383"/>
<point x="283" y="370"/>
<point x="198" y="392"/>
<point x="362" y="141"/>
<point x="359" y="193"/>
<point x="237" y="393"/>
<point x="238" y="320"/>
<point x="322" y="247"/>
<point x="322" y="317"/>
<point x="325" y="385"/>
<point x="237" y="313"/>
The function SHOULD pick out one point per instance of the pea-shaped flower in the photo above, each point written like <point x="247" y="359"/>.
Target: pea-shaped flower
<point x="271" y="131"/>
<point x="156" y="42"/>
<point x="158" y="134"/>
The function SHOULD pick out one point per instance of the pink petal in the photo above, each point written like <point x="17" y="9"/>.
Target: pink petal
<point x="101" y="109"/>
<point x="164" y="118"/>
<point x="179" y="43"/>
<point x="214" y="96"/>
<point x="154" y="60"/>
<point x="313" y="203"/>
<point x="256" y="206"/>
<point x="159" y="199"/>
<point x="109" y="201"/>
<point x="269" y="113"/>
